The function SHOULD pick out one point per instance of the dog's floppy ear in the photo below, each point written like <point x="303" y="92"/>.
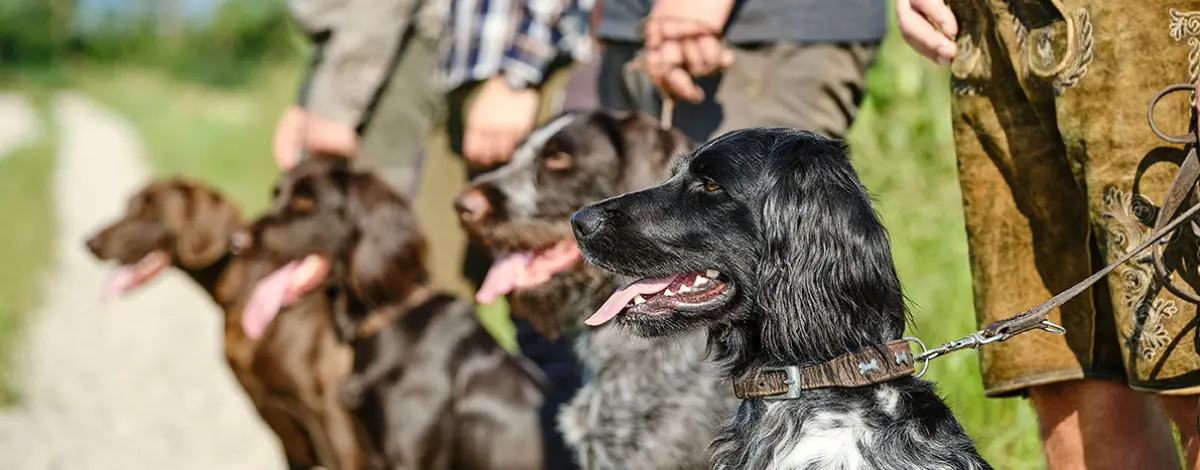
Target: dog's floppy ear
<point x="826" y="282"/>
<point x="387" y="256"/>
<point x="205" y="234"/>
<point x="648" y="149"/>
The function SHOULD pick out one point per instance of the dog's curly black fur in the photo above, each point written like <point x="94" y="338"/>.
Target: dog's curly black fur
<point x="806" y="275"/>
<point x="648" y="403"/>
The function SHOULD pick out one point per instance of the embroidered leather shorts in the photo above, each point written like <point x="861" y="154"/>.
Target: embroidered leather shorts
<point x="1061" y="174"/>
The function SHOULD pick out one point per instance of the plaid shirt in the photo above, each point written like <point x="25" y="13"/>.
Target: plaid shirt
<point x="519" y="38"/>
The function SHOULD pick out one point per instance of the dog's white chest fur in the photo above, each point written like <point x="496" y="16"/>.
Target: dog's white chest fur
<point x="827" y="440"/>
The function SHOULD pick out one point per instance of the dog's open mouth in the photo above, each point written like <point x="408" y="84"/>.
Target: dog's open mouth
<point x="698" y="290"/>
<point x="525" y="269"/>
<point x="280" y="289"/>
<point x="129" y="276"/>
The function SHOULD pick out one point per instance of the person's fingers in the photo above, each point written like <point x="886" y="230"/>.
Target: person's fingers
<point x="474" y="146"/>
<point x="652" y="35"/>
<point x="938" y="13"/>
<point x="286" y="143"/>
<point x="714" y="55"/>
<point x="679" y="84"/>
<point x="727" y="57"/>
<point x="693" y="57"/>
<point x="325" y="136"/>
<point x="502" y="147"/>
<point x="921" y="36"/>
<point x="660" y="61"/>
<point x="670" y="55"/>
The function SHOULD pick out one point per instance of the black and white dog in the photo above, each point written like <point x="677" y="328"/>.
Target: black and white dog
<point x="766" y="238"/>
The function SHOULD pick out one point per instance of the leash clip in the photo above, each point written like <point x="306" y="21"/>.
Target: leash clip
<point x="1044" y="325"/>
<point x="979" y="338"/>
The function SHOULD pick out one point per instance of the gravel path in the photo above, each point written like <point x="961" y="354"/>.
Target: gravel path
<point x="18" y="123"/>
<point x="139" y="383"/>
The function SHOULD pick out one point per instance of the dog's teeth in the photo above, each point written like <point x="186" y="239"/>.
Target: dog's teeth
<point x="700" y="280"/>
<point x="683" y="289"/>
<point x="712" y="273"/>
<point x="637" y="300"/>
<point x="668" y="293"/>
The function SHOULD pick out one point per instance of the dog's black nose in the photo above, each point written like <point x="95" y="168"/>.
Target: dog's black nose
<point x="95" y="245"/>
<point x="585" y="222"/>
<point x="472" y="205"/>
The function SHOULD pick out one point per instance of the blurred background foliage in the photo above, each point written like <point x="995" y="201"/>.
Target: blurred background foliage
<point x="211" y="42"/>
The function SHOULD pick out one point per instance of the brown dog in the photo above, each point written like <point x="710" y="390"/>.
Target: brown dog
<point x="431" y="386"/>
<point x="291" y="369"/>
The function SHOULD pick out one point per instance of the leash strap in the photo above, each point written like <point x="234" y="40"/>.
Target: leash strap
<point x="666" y="113"/>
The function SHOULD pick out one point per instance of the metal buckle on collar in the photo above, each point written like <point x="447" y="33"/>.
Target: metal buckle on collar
<point x="793" y="382"/>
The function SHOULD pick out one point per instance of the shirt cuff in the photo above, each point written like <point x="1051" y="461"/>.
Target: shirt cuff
<point x="526" y="60"/>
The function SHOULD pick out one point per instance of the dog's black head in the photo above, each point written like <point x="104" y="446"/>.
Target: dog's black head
<point x="767" y="236"/>
<point x="521" y="210"/>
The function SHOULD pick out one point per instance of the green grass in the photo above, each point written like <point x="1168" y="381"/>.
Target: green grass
<point x="221" y="136"/>
<point x="26" y="247"/>
<point x="903" y="148"/>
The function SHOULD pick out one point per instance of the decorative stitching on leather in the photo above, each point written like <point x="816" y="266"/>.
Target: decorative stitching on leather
<point x="1044" y="47"/>
<point x="1083" y="53"/>
<point x="1124" y="217"/>
<point x="1186" y="25"/>
<point x="967" y="64"/>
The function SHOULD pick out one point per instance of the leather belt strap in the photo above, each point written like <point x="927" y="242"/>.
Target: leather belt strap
<point x="866" y="366"/>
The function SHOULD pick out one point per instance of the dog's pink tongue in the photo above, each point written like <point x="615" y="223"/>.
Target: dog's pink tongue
<point x="624" y="295"/>
<point x="117" y="282"/>
<point x="502" y="276"/>
<point x="267" y="299"/>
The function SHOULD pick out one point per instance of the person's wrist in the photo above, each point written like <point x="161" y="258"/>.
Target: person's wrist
<point x="514" y="82"/>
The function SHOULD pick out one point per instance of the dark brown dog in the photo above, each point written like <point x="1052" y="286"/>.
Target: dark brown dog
<point x="431" y="386"/>
<point x="290" y="369"/>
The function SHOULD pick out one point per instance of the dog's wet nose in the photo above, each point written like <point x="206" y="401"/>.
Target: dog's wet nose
<point x="472" y="205"/>
<point x="94" y="245"/>
<point x="241" y="241"/>
<point x="585" y="222"/>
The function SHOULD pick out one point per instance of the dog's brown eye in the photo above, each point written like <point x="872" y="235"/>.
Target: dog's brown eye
<point x="558" y="161"/>
<point x="302" y="203"/>
<point x="711" y="187"/>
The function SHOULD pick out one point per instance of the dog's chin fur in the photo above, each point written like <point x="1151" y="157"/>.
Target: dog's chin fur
<point x="783" y="215"/>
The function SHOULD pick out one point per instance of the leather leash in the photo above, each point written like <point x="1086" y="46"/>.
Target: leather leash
<point x="878" y="364"/>
<point x="666" y="114"/>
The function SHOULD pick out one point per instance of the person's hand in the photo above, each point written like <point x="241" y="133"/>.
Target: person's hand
<point x="682" y="40"/>
<point x="496" y="122"/>
<point x="324" y="136"/>
<point x="917" y="20"/>
<point x="299" y="127"/>
<point x="286" y="145"/>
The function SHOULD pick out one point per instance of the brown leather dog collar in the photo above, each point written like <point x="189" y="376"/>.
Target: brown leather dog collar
<point x="860" y="368"/>
<point x="383" y="316"/>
